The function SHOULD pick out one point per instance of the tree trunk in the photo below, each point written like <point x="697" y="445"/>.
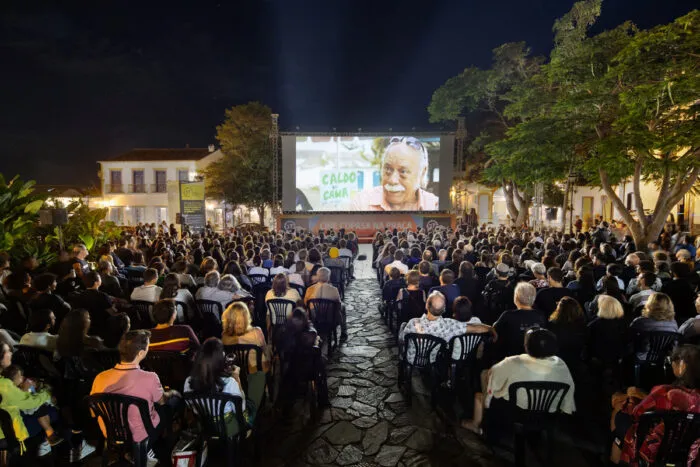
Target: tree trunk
<point x="523" y="212"/>
<point x="509" y="195"/>
<point x="261" y="214"/>
<point x="670" y="195"/>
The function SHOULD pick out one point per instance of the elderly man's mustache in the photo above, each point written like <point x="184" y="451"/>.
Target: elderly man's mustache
<point x="394" y="188"/>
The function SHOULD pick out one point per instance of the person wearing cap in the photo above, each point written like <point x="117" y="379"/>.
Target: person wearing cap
<point x="540" y="281"/>
<point x="333" y="259"/>
<point x="538" y="363"/>
<point x="498" y="294"/>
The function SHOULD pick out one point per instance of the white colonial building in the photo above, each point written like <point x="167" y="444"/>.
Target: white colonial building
<point x="142" y="184"/>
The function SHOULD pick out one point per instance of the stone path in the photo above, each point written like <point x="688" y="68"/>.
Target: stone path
<point x="368" y="422"/>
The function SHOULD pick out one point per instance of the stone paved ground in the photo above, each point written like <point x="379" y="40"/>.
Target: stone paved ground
<point x="368" y="422"/>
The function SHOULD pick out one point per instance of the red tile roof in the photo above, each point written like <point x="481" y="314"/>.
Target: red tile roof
<point x="160" y="154"/>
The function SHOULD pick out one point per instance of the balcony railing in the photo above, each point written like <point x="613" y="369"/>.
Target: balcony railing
<point x="114" y="188"/>
<point x="137" y="188"/>
<point x="159" y="188"/>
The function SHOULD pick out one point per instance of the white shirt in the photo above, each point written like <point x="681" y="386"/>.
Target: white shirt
<point x="258" y="270"/>
<point x="640" y="298"/>
<point x="519" y="368"/>
<point x="345" y="252"/>
<point x="216" y="295"/>
<point x="295" y="278"/>
<point x="230" y="387"/>
<point x="279" y="270"/>
<point x="147" y="293"/>
<point x="403" y="269"/>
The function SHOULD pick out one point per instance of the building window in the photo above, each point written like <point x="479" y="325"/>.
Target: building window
<point x="115" y="182"/>
<point x="139" y="178"/>
<point x="161" y="214"/>
<point x="139" y="213"/>
<point x="161" y="185"/>
<point x="116" y="215"/>
<point x="183" y="175"/>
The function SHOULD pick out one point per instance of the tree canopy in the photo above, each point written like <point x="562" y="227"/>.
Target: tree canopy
<point x="619" y="105"/>
<point x="244" y="174"/>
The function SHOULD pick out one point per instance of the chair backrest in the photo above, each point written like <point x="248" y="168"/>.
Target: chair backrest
<point x="257" y="279"/>
<point x="425" y="346"/>
<point x="143" y="314"/>
<point x="298" y="288"/>
<point x="113" y="409"/>
<point x="463" y="348"/>
<point x="541" y="395"/>
<point x="182" y="306"/>
<point x="658" y="344"/>
<point x="16" y="316"/>
<point x="242" y="353"/>
<point x="210" y="307"/>
<point x="337" y="274"/>
<point x="278" y="309"/>
<point x="36" y="363"/>
<point x="210" y="410"/>
<point x="680" y="431"/>
<point x="324" y="312"/>
<point x="172" y="368"/>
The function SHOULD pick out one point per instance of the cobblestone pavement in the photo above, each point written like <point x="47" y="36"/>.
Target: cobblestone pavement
<point x="368" y="422"/>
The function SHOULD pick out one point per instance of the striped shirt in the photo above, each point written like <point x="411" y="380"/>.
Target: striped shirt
<point x="175" y="338"/>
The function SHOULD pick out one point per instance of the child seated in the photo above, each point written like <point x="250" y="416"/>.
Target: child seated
<point x="16" y="375"/>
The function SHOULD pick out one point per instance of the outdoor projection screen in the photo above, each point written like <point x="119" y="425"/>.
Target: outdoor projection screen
<point x="366" y="173"/>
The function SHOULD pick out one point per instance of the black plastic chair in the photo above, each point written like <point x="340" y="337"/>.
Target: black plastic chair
<point x="36" y="363"/>
<point x="172" y="368"/>
<point x="324" y="312"/>
<point x="428" y="350"/>
<point x="544" y="400"/>
<point x="185" y="312"/>
<point x="338" y="279"/>
<point x="242" y="354"/>
<point x="258" y="279"/>
<point x="461" y="354"/>
<point x="16" y="315"/>
<point x="210" y="312"/>
<point x="349" y="267"/>
<point x="680" y="431"/>
<point x="142" y="314"/>
<point x="113" y="409"/>
<point x="134" y="277"/>
<point x="299" y="288"/>
<point x="658" y="345"/>
<point x="278" y="309"/>
<point x="304" y="368"/>
<point x="210" y="410"/>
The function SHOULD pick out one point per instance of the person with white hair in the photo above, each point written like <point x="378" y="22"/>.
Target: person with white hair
<point x="512" y="324"/>
<point x="212" y="291"/>
<point x="323" y="289"/>
<point x="404" y="176"/>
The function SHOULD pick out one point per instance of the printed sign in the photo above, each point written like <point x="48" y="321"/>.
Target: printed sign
<point x="337" y="186"/>
<point x="192" y="207"/>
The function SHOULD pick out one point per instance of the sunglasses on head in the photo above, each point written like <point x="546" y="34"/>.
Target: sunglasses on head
<point x="409" y="141"/>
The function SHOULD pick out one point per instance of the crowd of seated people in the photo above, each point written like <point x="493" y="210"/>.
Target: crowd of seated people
<point x="103" y="320"/>
<point x="586" y="310"/>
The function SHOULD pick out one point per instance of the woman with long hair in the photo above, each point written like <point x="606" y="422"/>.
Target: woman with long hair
<point x="211" y="375"/>
<point x="237" y="328"/>
<point x="73" y="338"/>
<point x="568" y="324"/>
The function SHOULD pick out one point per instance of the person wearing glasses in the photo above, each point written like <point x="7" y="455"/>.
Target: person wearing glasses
<point x="404" y="176"/>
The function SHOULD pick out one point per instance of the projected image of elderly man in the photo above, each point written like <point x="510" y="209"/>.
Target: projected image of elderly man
<point x="404" y="175"/>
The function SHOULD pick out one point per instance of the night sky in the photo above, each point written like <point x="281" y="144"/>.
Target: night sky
<point x="87" y="80"/>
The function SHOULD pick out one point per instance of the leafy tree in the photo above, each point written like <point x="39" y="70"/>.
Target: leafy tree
<point x="244" y="174"/>
<point x="85" y="225"/>
<point x="19" y="208"/>
<point x="618" y="105"/>
<point x="485" y="93"/>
